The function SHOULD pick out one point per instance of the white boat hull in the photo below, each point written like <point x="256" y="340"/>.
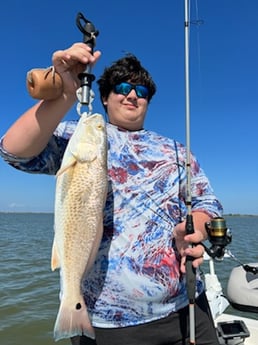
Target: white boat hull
<point x="219" y="303"/>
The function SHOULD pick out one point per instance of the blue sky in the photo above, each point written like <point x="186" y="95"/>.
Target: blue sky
<point x="223" y="82"/>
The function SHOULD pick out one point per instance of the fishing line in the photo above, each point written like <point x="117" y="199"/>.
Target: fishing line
<point x="197" y="23"/>
<point x="247" y="268"/>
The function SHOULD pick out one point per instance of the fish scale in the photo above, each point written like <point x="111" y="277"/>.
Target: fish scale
<point x="81" y="190"/>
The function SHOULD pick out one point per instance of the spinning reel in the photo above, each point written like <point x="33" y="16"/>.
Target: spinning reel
<point x="219" y="236"/>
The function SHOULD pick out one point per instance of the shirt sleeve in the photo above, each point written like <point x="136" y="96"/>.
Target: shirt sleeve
<point x="203" y="197"/>
<point x="49" y="160"/>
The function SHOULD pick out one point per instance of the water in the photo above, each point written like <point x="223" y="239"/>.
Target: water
<point x="29" y="290"/>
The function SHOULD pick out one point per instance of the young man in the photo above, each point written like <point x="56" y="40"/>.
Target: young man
<point x="136" y="290"/>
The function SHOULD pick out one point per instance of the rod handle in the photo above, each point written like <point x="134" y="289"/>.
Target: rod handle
<point x="190" y="270"/>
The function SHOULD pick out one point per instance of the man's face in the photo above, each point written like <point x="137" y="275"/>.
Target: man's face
<point x="126" y="111"/>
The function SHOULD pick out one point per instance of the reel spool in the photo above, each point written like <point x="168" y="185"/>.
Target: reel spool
<point x="219" y="236"/>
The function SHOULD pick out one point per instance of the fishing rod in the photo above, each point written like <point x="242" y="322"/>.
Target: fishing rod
<point x="189" y="227"/>
<point x="218" y="234"/>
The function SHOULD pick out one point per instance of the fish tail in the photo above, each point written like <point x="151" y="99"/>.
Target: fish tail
<point x="72" y="320"/>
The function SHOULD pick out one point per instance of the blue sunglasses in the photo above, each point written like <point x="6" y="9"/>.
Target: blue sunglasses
<point x="125" y="88"/>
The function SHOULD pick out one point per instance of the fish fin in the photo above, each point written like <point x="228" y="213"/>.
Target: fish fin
<point x="70" y="164"/>
<point x="85" y="152"/>
<point x="72" y="320"/>
<point x="55" y="262"/>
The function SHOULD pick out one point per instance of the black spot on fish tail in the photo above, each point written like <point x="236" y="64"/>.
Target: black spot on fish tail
<point x="78" y="306"/>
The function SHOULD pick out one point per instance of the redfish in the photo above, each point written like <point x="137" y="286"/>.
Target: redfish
<point x="81" y="189"/>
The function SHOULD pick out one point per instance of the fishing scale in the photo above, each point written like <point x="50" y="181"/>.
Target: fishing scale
<point x="46" y="83"/>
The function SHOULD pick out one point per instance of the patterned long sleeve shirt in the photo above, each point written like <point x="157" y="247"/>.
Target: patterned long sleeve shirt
<point x="136" y="276"/>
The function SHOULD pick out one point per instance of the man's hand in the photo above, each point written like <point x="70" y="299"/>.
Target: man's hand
<point x="183" y="241"/>
<point x="70" y="62"/>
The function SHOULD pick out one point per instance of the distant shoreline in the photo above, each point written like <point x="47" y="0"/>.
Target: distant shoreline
<point x="240" y="215"/>
<point x="26" y="212"/>
<point x="225" y="215"/>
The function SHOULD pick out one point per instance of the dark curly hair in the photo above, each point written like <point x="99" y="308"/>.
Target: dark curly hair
<point x="127" y="68"/>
